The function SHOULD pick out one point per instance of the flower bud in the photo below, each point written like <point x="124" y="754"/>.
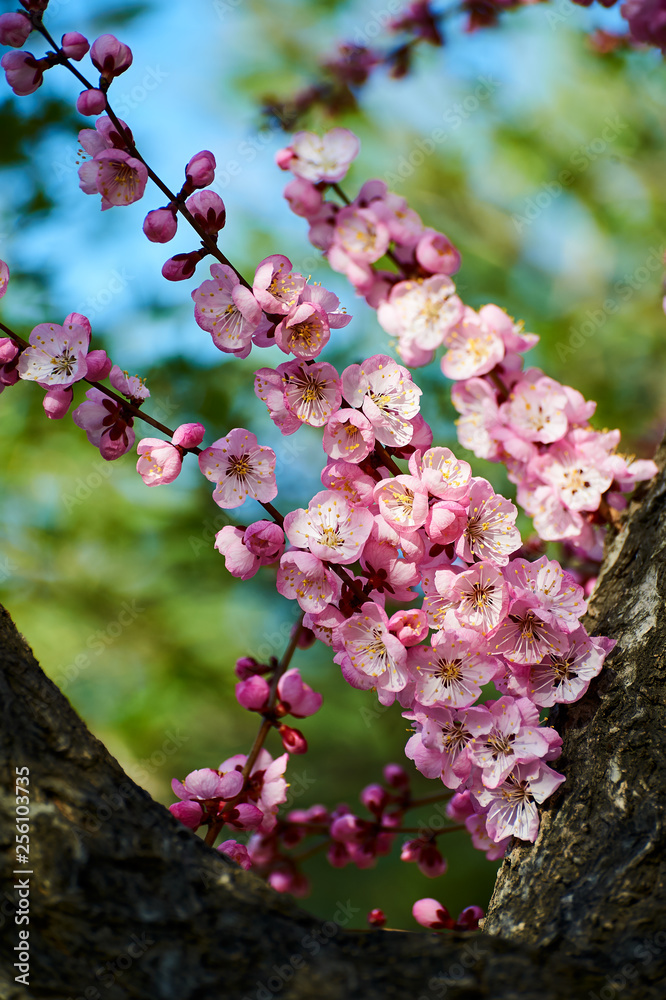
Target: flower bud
<point x="160" y="225"/>
<point x="14" y="29"/>
<point x="468" y="919"/>
<point x="181" y="266"/>
<point x="200" y="171"/>
<point x="253" y="693"/>
<point x="8" y="350"/>
<point x="208" y="211"/>
<point x="74" y="45"/>
<point x="91" y="102"/>
<point x="99" y="365"/>
<point x="431" y="913"/>
<point x="396" y="776"/>
<point x="110" y="56"/>
<point x="57" y="401"/>
<point x="292" y="739"/>
<point x="374" y="798"/>
<point x="376" y="918"/>
<point x="188" y="435"/>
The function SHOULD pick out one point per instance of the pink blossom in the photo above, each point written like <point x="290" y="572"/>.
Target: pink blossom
<point x="440" y="744"/>
<point x="105" y="135"/>
<point x="443" y="474"/>
<point x="91" y="102"/>
<point x="324" y="624"/>
<point x="509" y="742"/>
<point x="240" y="467"/>
<point x="316" y="158"/>
<point x="237" y="852"/>
<point x="430" y="913"/>
<point x="110" y="56"/>
<point x="304" y="331"/>
<point x="574" y="467"/>
<point x="159" y="462"/>
<point x="387" y="396"/>
<point x="436" y="253"/>
<point x="373" y="651"/>
<point x="535" y="410"/>
<point x="421" y="311"/>
<point x="276" y="287"/>
<point x="200" y="171"/>
<point x="24" y="72"/>
<point x="206" y="784"/>
<point x="119" y="178"/>
<point x="388" y="573"/>
<point x="479" y="596"/>
<point x="348" y="436"/>
<point x="473" y="348"/>
<point x="267" y="786"/>
<point x="501" y="324"/>
<point x="208" y="211"/>
<point x="304" y="578"/>
<point x="359" y="234"/>
<point x="129" y="385"/>
<point x="346" y="478"/>
<point x="403" y="502"/>
<point x="511" y="805"/>
<point x="107" y="425"/>
<point x="14" y="29"/>
<point x="297" y="697"/>
<point x="491" y="531"/>
<point x="226" y="309"/>
<point x="526" y="637"/>
<point x="329" y="303"/>
<point x="160" y="225"/>
<point x="57" y="355"/>
<point x="238" y="559"/>
<point x="331" y="528"/>
<point x="269" y="386"/>
<point x="557" y="597"/>
<point x="452" y="671"/>
<point x="565" y="676"/>
<point x="476" y="401"/>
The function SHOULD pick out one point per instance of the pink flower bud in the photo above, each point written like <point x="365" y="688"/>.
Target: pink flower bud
<point x="189" y="435"/>
<point x="187" y="812"/>
<point x="8" y="350"/>
<point x="446" y="522"/>
<point x="253" y="693"/>
<point x="410" y="626"/>
<point x="306" y="637"/>
<point x="348" y="828"/>
<point x="237" y="852"/>
<point x="468" y="919"/>
<point x="91" y="102"/>
<point x="110" y="56"/>
<point x="74" y="45"/>
<point x="297" y="698"/>
<point x="396" y="776"/>
<point x="200" y="171"/>
<point x="303" y="197"/>
<point x="4" y="278"/>
<point x="292" y="739"/>
<point x="160" y="225"/>
<point x="159" y="462"/>
<point x="265" y="540"/>
<point x="57" y="401"/>
<point x="24" y="72"/>
<point x="14" y="29"/>
<point x="247" y="666"/>
<point x="283" y="157"/>
<point x="460" y="806"/>
<point x="208" y="211"/>
<point x="436" y="253"/>
<point x="374" y="798"/>
<point x="181" y="266"/>
<point x="429" y="913"/>
<point x="99" y="365"/>
<point x="376" y="918"/>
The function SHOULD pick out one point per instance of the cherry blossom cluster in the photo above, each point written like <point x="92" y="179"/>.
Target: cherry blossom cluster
<point x="570" y="478"/>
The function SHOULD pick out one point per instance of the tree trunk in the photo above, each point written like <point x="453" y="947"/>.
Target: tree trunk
<point x="125" y="902"/>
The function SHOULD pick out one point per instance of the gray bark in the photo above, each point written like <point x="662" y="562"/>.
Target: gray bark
<point x="125" y="902"/>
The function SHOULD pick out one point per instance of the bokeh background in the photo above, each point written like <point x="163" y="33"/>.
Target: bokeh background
<point x="86" y="548"/>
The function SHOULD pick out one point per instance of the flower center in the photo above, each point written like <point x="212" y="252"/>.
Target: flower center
<point x="239" y="465"/>
<point x="499" y="744"/>
<point x="449" y="671"/>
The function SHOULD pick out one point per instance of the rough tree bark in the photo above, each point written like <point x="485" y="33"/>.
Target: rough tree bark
<point x="125" y="902"/>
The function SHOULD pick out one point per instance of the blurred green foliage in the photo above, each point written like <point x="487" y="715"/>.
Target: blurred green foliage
<point x="552" y="187"/>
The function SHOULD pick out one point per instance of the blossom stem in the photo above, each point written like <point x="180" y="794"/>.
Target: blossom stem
<point x="499" y="384"/>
